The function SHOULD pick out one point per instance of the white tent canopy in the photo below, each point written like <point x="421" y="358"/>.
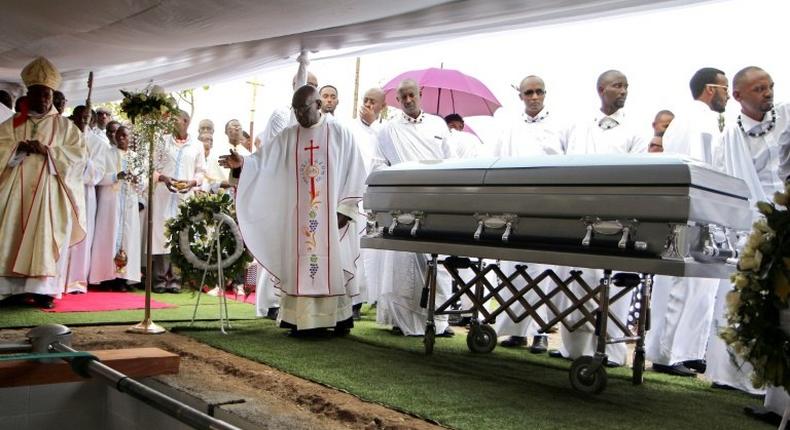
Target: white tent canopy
<point x="186" y="43"/>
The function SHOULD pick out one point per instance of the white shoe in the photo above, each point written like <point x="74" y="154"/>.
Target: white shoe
<point x="214" y="292"/>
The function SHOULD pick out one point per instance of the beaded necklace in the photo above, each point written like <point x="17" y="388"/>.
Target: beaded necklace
<point x="771" y="125"/>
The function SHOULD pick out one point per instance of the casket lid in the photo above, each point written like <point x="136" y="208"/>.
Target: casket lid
<point x="559" y="170"/>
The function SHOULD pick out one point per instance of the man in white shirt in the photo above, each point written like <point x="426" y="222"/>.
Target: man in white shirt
<point x="462" y="143"/>
<point x="660" y="124"/>
<point x="609" y="132"/>
<point x="180" y="171"/>
<point x="329" y="99"/>
<point x="413" y="135"/>
<point x="103" y="117"/>
<point x="365" y="129"/>
<point x="682" y="308"/>
<point x="753" y="149"/>
<point x="532" y="132"/>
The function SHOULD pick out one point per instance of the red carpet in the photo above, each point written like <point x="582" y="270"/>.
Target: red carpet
<point x="240" y="297"/>
<point x="96" y="301"/>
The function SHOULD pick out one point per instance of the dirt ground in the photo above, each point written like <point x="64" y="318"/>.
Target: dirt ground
<point x="271" y="399"/>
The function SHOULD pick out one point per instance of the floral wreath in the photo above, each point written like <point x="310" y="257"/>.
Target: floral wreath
<point x="762" y="287"/>
<point x="195" y="227"/>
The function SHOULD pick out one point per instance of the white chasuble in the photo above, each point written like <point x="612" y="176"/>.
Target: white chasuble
<point x="289" y="194"/>
<point x="43" y="203"/>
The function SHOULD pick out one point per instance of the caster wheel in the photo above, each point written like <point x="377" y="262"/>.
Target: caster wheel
<point x="429" y="338"/>
<point x="586" y="380"/>
<point x="639" y="368"/>
<point x="481" y="338"/>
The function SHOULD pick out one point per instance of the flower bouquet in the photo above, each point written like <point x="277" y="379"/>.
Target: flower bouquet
<point x="760" y="296"/>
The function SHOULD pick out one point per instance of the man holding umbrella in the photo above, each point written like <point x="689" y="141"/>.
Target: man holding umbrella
<point x="413" y="135"/>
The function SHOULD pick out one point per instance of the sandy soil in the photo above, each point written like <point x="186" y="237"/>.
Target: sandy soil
<point x="271" y="399"/>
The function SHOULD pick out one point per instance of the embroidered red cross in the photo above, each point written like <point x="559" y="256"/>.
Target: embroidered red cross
<point x="312" y="148"/>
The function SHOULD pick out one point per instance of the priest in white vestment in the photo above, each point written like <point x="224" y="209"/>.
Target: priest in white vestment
<point x="297" y="209"/>
<point x="607" y="132"/>
<point x="42" y="157"/>
<point x="117" y="217"/>
<point x="751" y="149"/>
<point x="682" y="308"/>
<point x="265" y="292"/>
<point x="180" y="169"/>
<point x="80" y="254"/>
<point x="532" y="132"/>
<point x="411" y="136"/>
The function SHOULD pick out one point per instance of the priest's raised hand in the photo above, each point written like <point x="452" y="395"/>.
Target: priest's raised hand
<point x="232" y="160"/>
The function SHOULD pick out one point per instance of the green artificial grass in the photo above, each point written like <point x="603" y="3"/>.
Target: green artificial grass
<point x="28" y="316"/>
<point x="506" y="389"/>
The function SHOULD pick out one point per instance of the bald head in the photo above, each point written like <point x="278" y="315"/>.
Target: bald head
<point x="753" y="88"/>
<point x="612" y="90"/>
<point x="409" y="95"/>
<point x="311" y="80"/>
<point x="532" y="91"/>
<point x="745" y="74"/>
<point x="372" y="104"/>
<point x="607" y="76"/>
<point x="532" y="79"/>
<point x="376" y="94"/>
<point x="306" y="105"/>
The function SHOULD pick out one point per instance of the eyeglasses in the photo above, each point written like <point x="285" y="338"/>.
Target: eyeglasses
<point x="726" y="88"/>
<point x="539" y="92"/>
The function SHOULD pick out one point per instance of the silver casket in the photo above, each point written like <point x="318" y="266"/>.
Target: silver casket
<point x="639" y="213"/>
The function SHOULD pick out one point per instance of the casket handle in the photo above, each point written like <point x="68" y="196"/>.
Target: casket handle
<point x="416" y="227"/>
<point x="392" y="226"/>
<point x="588" y="236"/>
<point x="624" y="239"/>
<point x="479" y="230"/>
<point x="506" y="234"/>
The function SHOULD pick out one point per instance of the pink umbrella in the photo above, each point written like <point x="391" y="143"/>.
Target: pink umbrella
<point x="446" y="91"/>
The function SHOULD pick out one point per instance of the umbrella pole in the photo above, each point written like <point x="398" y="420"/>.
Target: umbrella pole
<point x="439" y="101"/>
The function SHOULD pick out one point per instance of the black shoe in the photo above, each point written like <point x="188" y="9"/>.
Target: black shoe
<point x="555" y="353"/>
<point x="718" y="386"/>
<point x="44" y="302"/>
<point x="397" y="331"/>
<point x="448" y="332"/>
<point x="698" y="366"/>
<point x="540" y="344"/>
<point x="763" y="414"/>
<point x="514" y="342"/>
<point x="173" y="289"/>
<point x="611" y="364"/>
<point x="159" y="288"/>
<point x="272" y="313"/>
<point x="355" y="315"/>
<point x="676" y="369"/>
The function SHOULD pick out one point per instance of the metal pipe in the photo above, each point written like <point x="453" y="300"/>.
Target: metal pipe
<point x="6" y="348"/>
<point x="172" y="407"/>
